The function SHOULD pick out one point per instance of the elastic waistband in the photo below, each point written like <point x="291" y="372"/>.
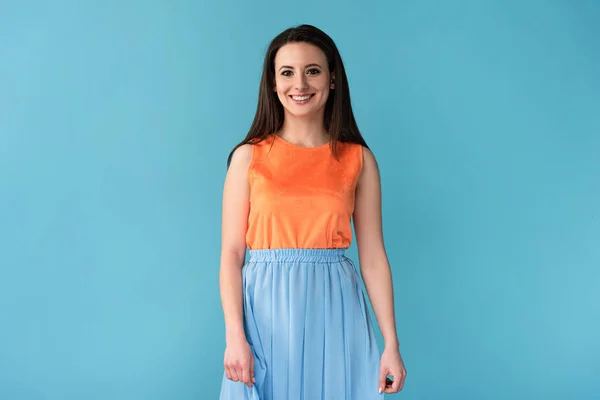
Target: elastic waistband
<point x="313" y="255"/>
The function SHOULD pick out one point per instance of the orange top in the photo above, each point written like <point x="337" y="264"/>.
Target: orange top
<point x="301" y="197"/>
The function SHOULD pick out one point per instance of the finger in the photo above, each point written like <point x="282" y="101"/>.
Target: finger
<point x="402" y="379"/>
<point x="246" y="376"/>
<point x="388" y="389"/>
<point x="228" y="372"/>
<point x="252" y="370"/>
<point x="396" y="385"/>
<point x="389" y="382"/>
<point x="234" y="375"/>
<point x="382" y="376"/>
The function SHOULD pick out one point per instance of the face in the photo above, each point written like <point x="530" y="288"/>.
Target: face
<point x="302" y="79"/>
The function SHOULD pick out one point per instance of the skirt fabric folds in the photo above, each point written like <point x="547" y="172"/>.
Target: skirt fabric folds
<point x="307" y="323"/>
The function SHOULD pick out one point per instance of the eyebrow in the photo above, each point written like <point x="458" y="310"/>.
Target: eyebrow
<point x="309" y="65"/>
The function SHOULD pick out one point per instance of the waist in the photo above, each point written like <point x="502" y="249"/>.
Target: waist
<point x="301" y="254"/>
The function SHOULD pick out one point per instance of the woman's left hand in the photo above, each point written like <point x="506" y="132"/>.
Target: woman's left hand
<point x="391" y="364"/>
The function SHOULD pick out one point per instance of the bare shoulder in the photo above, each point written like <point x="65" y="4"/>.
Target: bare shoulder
<point x="237" y="173"/>
<point x="368" y="155"/>
<point x="369" y="162"/>
<point x="242" y="156"/>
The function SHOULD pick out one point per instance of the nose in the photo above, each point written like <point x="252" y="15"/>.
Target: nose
<point x="301" y="82"/>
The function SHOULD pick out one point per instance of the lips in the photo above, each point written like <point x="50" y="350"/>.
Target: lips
<point x="301" y="96"/>
<point x="301" y="99"/>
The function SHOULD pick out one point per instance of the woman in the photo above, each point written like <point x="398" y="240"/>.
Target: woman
<point x="297" y="324"/>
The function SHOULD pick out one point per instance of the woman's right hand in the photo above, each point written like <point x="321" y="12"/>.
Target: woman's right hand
<point x="239" y="362"/>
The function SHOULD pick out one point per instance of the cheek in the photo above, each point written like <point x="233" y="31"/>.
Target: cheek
<point x="283" y="87"/>
<point x="323" y="84"/>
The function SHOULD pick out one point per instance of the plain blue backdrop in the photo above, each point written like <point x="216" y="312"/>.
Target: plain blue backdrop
<point x="116" y="118"/>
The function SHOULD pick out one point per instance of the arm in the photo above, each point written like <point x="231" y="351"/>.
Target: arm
<point x="374" y="264"/>
<point x="375" y="270"/>
<point x="238" y="361"/>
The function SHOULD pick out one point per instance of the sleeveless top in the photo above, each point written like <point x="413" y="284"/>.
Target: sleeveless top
<point x="301" y="197"/>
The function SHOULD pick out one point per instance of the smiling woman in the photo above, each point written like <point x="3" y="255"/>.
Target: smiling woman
<point x="296" y="318"/>
<point x="302" y="83"/>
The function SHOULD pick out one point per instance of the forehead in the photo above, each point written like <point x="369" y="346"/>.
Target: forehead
<point x="300" y="54"/>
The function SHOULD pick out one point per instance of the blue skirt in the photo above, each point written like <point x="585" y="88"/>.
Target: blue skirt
<point x="307" y="323"/>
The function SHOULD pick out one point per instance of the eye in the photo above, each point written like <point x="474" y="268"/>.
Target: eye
<point x="285" y="73"/>
<point x="314" y="71"/>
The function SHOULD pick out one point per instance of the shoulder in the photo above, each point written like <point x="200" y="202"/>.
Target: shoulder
<point x="242" y="156"/>
<point x="368" y="156"/>
<point x="369" y="162"/>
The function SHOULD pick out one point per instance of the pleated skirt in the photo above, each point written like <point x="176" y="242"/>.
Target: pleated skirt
<point x="307" y="323"/>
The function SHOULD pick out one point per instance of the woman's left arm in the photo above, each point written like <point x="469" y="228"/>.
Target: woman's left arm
<point x="375" y="268"/>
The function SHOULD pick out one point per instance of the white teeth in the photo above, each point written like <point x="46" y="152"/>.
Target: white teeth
<point x="301" y="98"/>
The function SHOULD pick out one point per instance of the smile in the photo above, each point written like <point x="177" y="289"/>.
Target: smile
<point x="301" y="99"/>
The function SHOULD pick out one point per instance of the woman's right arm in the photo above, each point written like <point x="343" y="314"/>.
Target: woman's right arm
<point x="238" y="362"/>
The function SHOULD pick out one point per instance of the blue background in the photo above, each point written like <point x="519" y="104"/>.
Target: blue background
<point x="116" y="118"/>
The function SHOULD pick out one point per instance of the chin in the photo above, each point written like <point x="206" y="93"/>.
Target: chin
<point x="302" y="113"/>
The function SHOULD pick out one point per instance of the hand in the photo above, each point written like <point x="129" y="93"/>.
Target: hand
<point x="391" y="364"/>
<point x="239" y="362"/>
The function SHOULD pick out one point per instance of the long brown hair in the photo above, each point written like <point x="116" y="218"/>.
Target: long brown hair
<point x="339" y="118"/>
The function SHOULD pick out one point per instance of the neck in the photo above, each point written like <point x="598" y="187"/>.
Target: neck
<point x="307" y="131"/>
